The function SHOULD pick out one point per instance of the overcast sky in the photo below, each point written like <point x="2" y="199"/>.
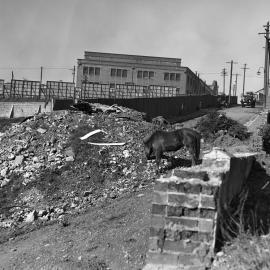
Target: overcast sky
<point x="205" y="34"/>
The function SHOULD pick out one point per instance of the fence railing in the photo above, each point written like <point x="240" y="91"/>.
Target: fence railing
<point x="88" y="90"/>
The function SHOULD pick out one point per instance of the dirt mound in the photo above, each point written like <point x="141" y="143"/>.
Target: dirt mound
<point x="46" y="170"/>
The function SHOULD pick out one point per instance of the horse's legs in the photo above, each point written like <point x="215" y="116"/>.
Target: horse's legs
<point x="158" y="154"/>
<point x="192" y="152"/>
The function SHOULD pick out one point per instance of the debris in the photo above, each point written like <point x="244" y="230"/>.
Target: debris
<point x="108" y="144"/>
<point x="91" y="134"/>
<point x="41" y="130"/>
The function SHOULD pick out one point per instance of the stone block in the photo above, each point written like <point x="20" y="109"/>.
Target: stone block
<point x="208" y="202"/>
<point x="206" y="225"/>
<point x="176" y="211"/>
<point x="176" y="234"/>
<point x="185" y="246"/>
<point x="158" y="221"/>
<point x="191" y="173"/>
<point x="160" y="197"/>
<point x="158" y="209"/>
<point x="162" y="258"/>
<point x="182" y="223"/>
<point x="209" y="189"/>
<point x="161" y="186"/>
<point x="187" y="200"/>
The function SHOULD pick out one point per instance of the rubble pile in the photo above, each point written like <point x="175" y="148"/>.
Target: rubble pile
<point x="47" y="170"/>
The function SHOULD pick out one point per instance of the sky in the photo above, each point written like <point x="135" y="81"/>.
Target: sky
<point x="205" y="34"/>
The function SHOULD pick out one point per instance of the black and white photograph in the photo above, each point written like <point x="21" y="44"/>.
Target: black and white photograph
<point x="134" y="135"/>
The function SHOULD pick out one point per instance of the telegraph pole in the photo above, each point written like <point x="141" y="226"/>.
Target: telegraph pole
<point x="73" y="74"/>
<point x="266" y="62"/>
<point x="236" y="75"/>
<point x="230" y="89"/>
<point x="244" y="77"/>
<point x="224" y="74"/>
<point x="41" y="74"/>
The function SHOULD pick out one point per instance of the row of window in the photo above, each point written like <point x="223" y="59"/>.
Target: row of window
<point x="91" y="71"/>
<point x="145" y="74"/>
<point x="141" y="74"/>
<point x="171" y="76"/>
<point x="119" y="72"/>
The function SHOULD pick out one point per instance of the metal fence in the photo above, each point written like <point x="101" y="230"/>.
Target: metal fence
<point x="91" y="90"/>
<point x="60" y="90"/>
<point x="88" y="90"/>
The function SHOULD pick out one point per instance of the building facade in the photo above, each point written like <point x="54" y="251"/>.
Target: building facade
<point x="122" y="69"/>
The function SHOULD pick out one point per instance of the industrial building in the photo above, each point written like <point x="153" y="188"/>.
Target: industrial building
<point x="121" y="69"/>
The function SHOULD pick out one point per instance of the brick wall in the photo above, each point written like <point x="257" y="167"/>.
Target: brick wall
<point x="184" y="211"/>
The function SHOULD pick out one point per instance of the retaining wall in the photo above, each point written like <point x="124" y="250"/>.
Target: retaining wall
<point x="185" y="217"/>
<point x="11" y="109"/>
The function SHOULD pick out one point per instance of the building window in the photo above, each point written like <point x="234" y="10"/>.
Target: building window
<point x="166" y="76"/>
<point x="139" y="74"/>
<point x="118" y="72"/>
<point x="124" y="73"/>
<point x="177" y="76"/>
<point x="85" y="70"/>
<point x="97" y="71"/>
<point x="113" y="72"/>
<point x="172" y="76"/>
<point x="145" y="74"/>
<point x="151" y="74"/>
<point x="91" y="70"/>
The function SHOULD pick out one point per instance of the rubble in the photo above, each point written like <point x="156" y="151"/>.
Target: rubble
<point x="47" y="170"/>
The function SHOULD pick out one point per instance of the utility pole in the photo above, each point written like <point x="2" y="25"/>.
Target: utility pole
<point x="41" y="74"/>
<point x="266" y="62"/>
<point x="73" y="74"/>
<point x="244" y="77"/>
<point x="236" y="75"/>
<point x="224" y="73"/>
<point x="12" y="75"/>
<point x="230" y="89"/>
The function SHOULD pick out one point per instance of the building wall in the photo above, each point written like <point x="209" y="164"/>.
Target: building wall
<point x="184" y="78"/>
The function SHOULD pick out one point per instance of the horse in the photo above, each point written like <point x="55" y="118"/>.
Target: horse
<point x="164" y="141"/>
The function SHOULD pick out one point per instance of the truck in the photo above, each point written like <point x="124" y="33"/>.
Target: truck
<point x="248" y="99"/>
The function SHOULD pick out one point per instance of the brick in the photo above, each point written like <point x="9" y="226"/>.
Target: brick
<point x="208" y="202"/>
<point x="176" y="187"/>
<point x="181" y="222"/>
<point x="186" y="200"/>
<point x="209" y="189"/>
<point x="176" y="211"/>
<point x="207" y="213"/>
<point x="191" y="212"/>
<point x="156" y="244"/>
<point x="183" y="174"/>
<point x="180" y="246"/>
<point x="159" y="232"/>
<point x="184" y="187"/>
<point x="162" y="258"/>
<point x="189" y="259"/>
<point x="159" y="209"/>
<point x="206" y="225"/>
<point x="158" y="221"/>
<point x="161" y="186"/>
<point x="160" y="197"/>
<point x="191" y="235"/>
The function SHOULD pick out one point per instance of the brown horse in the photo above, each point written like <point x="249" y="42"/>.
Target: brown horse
<point x="162" y="141"/>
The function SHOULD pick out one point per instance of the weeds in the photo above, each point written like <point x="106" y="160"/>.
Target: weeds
<point x="211" y="126"/>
